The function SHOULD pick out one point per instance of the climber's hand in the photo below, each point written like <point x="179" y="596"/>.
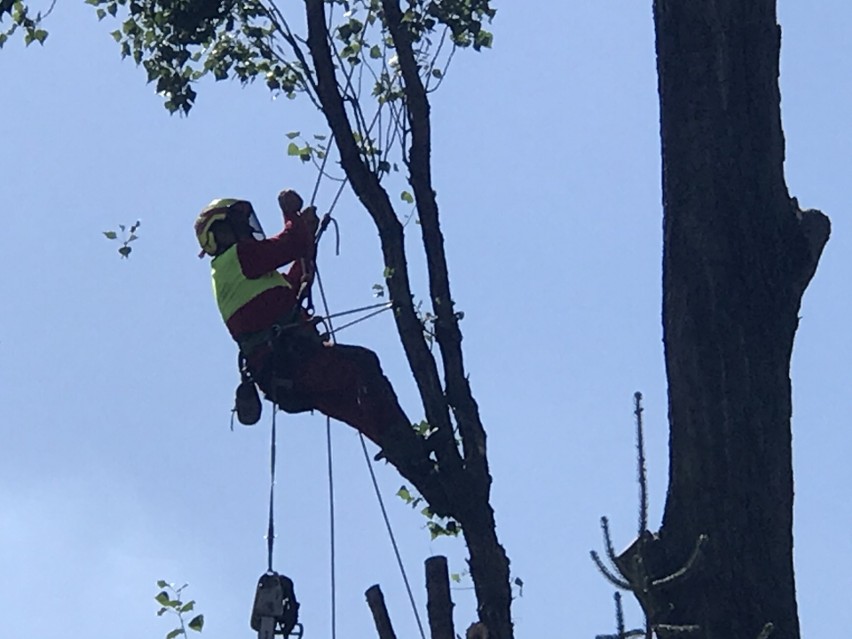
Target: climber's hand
<point x="290" y="202"/>
<point x="309" y="219"/>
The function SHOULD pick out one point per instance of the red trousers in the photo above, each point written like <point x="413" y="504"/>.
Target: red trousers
<point x="344" y="382"/>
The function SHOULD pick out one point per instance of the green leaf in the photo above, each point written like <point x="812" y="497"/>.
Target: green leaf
<point x="405" y="495"/>
<point x="293" y="135"/>
<point x="162" y="598"/>
<point x="388" y="272"/>
<point x="40" y="35"/>
<point x="125" y="251"/>
<point x="375" y="52"/>
<point x="162" y="611"/>
<point x="293" y="149"/>
<point x="101" y="13"/>
<point x="162" y="583"/>
<point x="437" y="73"/>
<point x="111" y="235"/>
<point x="187" y="607"/>
<point x="132" y="237"/>
<point x="174" y="633"/>
<point x="197" y="623"/>
<point x="116" y="35"/>
<point x="518" y="582"/>
<point x="405" y="196"/>
<point x="455" y="577"/>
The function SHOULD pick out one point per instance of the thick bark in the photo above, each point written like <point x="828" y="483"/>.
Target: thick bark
<point x="738" y="254"/>
<point x="465" y="483"/>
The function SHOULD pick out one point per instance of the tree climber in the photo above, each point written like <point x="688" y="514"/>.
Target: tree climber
<point x="281" y="349"/>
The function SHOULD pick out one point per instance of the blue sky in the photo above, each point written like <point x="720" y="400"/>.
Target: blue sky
<point x="117" y="467"/>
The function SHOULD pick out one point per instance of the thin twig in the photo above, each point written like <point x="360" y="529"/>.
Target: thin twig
<point x="615" y="581"/>
<point x="640" y="461"/>
<point x="690" y="563"/>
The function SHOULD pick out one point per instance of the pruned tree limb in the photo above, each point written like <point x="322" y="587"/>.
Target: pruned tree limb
<point x="376" y="601"/>
<point x="439" y="603"/>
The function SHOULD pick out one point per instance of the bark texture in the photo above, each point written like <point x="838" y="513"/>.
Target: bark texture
<point x="738" y="254"/>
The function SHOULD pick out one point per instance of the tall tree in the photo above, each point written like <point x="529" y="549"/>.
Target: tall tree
<point x="738" y="254"/>
<point x="369" y="67"/>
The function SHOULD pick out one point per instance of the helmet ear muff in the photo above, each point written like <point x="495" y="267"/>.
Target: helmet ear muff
<point x="203" y="230"/>
<point x="239" y="216"/>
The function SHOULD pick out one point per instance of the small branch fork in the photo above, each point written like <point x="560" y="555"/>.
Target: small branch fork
<point x="630" y="571"/>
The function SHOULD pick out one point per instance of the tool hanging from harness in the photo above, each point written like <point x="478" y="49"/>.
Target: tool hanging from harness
<point x="275" y="611"/>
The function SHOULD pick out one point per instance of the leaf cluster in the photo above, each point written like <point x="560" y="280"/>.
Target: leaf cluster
<point x="464" y="19"/>
<point x="170" y="600"/>
<point x="438" y="526"/>
<point x="20" y="17"/>
<point x="180" y="41"/>
<point x="128" y="235"/>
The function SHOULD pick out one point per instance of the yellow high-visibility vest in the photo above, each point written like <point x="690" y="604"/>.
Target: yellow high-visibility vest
<point x="232" y="289"/>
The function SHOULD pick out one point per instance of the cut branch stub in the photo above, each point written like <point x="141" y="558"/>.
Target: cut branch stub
<point x="439" y="603"/>
<point x="376" y="601"/>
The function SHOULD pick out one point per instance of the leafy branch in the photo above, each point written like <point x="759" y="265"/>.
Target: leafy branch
<point x="21" y="18"/>
<point x="436" y="525"/>
<point x="170" y="600"/>
<point x="128" y="235"/>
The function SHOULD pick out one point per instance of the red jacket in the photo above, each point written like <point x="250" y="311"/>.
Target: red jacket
<point x="258" y="257"/>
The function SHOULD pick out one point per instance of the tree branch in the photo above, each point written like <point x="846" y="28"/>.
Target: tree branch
<point x="375" y="199"/>
<point x="447" y="332"/>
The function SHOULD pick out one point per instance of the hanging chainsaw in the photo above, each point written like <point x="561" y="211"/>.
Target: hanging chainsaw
<point x="275" y="612"/>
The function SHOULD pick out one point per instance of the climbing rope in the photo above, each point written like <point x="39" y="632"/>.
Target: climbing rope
<point x="270" y="533"/>
<point x="392" y="537"/>
<point x="378" y="492"/>
<point x="331" y="528"/>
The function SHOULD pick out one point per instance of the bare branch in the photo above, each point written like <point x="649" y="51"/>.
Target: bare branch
<point x="610" y="577"/>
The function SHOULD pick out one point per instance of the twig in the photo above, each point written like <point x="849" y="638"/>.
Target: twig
<point x="642" y="469"/>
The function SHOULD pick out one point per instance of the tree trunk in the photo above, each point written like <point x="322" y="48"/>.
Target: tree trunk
<point x="738" y="254"/>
